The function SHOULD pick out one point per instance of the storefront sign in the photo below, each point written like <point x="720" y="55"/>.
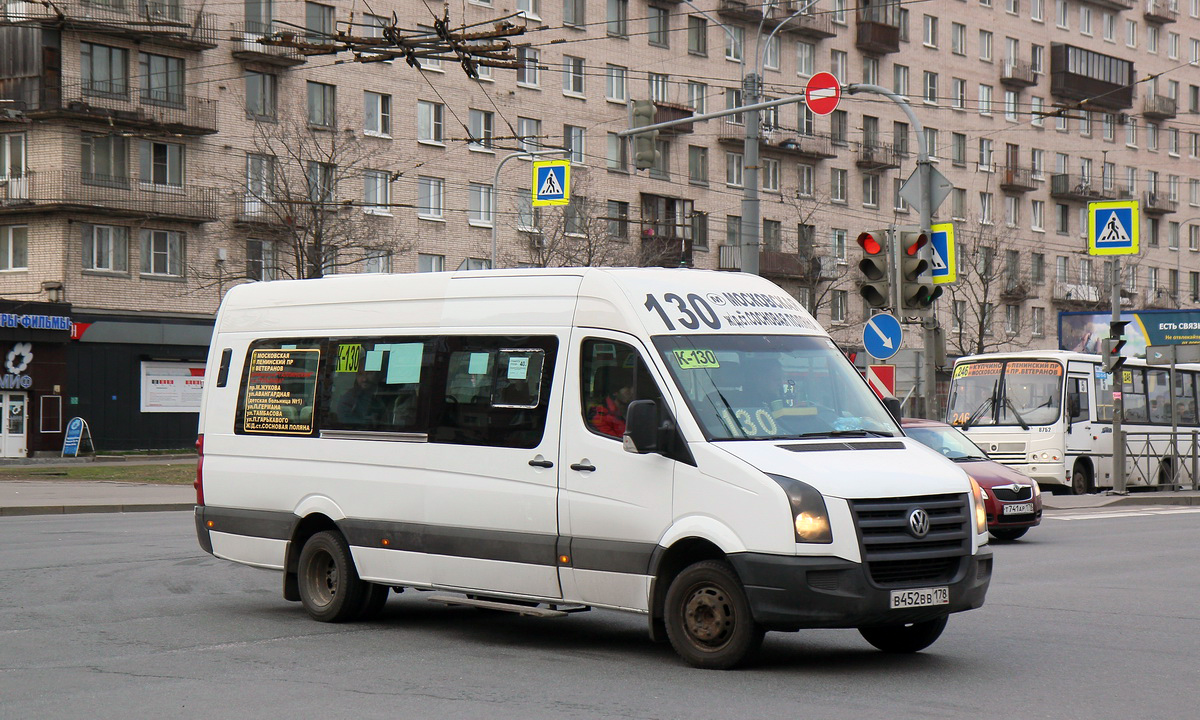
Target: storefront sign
<point x="35" y="322"/>
<point x="171" y="386"/>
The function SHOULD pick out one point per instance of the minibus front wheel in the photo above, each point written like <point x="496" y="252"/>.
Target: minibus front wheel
<point x="329" y="586"/>
<point x="708" y="617"/>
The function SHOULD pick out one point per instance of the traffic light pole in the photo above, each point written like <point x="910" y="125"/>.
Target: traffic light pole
<point x="925" y="208"/>
<point x="1118" y="384"/>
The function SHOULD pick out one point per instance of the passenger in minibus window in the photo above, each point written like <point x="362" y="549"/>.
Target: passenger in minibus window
<point x="607" y="414"/>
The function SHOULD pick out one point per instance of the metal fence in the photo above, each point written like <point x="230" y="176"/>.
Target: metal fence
<point x="1168" y="460"/>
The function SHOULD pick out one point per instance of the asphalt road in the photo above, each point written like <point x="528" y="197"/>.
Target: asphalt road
<point x="122" y="615"/>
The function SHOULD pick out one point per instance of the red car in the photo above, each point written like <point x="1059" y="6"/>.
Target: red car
<point x="1013" y="501"/>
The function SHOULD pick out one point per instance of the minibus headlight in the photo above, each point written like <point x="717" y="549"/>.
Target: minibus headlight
<point x="810" y="520"/>
<point x="980" y="510"/>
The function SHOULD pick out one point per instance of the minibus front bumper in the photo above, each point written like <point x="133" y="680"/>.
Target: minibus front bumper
<point x="790" y="593"/>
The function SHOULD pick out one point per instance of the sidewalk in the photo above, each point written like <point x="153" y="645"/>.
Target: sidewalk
<point x="58" y="497"/>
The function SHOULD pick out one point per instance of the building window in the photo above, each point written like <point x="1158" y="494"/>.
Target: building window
<point x="660" y="26"/>
<point x="531" y="9"/>
<point x="162" y="253"/>
<point x="985" y="45"/>
<point x="837" y="306"/>
<point x="527" y="67"/>
<point x="698" y="164"/>
<point x="106" y="247"/>
<point x="660" y="85"/>
<point x="480" y="201"/>
<point x="318" y="21"/>
<point x="573" y="143"/>
<point x="958" y="38"/>
<point x="614" y="83"/>
<point x="14" y="247"/>
<point x="260" y="260"/>
<point x="770" y="174"/>
<point x="806" y="58"/>
<point x="900" y="79"/>
<point x="958" y="93"/>
<point x="839" y="65"/>
<point x="771" y="54"/>
<point x="1012" y="319"/>
<point x="377" y="113"/>
<point x="430" y="263"/>
<point x="699" y="228"/>
<point x="733" y="230"/>
<point x="839" y="180"/>
<point x="804" y="185"/>
<point x="377" y="261"/>
<point x="322" y="103"/>
<point x="735" y="41"/>
<point x="698" y="96"/>
<point x="377" y="192"/>
<point x="618" y="18"/>
<point x="429" y="122"/>
<point x="162" y="79"/>
<point x="321" y="177"/>
<point x="734" y="168"/>
<point x="618" y="153"/>
<point x="104" y="70"/>
<point x="931" y="31"/>
<point x="870" y="185"/>
<point x="931" y="87"/>
<point x="618" y="219"/>
<point x="839" y="127"/>
<point x="529" y="134"/>
<point x="697" y="35"/>
<point x="430" y="198"/>
<point x="104" y="160"/>
<point x="260" y="183"/>
<point x="260" y="95"/>
<point x="572" y="75"/>
<point x="481" y="126"/>
<point x="162" y="164"/>
<point x="1037" y="212"/>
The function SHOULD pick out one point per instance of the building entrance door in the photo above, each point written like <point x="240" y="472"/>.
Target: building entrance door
<point x="12" y="428"/>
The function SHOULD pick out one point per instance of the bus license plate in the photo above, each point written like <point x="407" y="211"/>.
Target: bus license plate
<point x="921" y="597"/>
<point x="1018" y="509"/>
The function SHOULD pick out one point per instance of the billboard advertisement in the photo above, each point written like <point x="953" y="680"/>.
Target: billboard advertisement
<point x="1083" y="331"/>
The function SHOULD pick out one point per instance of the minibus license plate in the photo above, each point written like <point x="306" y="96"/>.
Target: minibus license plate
<point x="921" y="597"/>
<point x="1019" y="509"/>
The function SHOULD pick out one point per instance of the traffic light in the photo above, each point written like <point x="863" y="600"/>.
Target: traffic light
<point x="1112" y="345"/>
<point x="917" y="291"/>
<point x="876" y="288"/>
<point x="645" y="150"/>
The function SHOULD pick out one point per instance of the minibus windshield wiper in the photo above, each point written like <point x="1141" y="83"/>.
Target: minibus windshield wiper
<point x="1016" y="414"/>
<point x="847" y="433"/>
<point x="988" y="401"/>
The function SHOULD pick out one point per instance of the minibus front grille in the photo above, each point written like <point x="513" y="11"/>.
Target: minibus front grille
<point x="1007" y="458"/>
<point x="894" y="556"/>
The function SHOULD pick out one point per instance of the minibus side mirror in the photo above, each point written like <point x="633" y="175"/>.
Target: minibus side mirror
<point x="641" y="427"/>
<point x="893" y="406"/>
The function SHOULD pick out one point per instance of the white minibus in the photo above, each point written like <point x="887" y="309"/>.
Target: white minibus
<point x="688" y="445"/>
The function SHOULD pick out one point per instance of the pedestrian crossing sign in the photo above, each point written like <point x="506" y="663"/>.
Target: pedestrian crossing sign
<point x="1113" y="228"/>
<point x="551" y="182"/>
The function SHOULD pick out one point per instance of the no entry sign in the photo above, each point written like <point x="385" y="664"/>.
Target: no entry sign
<point x="822" y="93"/>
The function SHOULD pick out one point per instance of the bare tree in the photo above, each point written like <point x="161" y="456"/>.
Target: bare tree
<point x="312" y="196"/>
<point x="987" y="281"/>
<point x="818" y="271"/>
<point x="584" y="233"/>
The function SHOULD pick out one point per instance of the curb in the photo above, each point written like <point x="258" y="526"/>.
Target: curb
<point x="88" y="509"/>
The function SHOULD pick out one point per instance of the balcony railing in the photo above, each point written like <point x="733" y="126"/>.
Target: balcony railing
<point x="1018" y="73"/>
<point x="1077" y="293"/>
<point x="181" y="24"/>
<point x="814" y="146"/>
<point x="118" y="103"/>
<point x="1159" y="107"/>
<point x="1076" y="187"/>
<point x="666" y="112"/>
<point x="812" y="22"/>
<point x="877" y="156"/>
<point x="1157" y="203"/>
<point x="877" y="35"/>
<point x="118" y="196"/>
<point x="1160" y="11"/>
<point x="1014" y="178"/>
<point x="246" y="45"/>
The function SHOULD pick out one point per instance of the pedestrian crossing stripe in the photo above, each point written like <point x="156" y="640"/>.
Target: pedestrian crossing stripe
<point x="1113" y="228"/>
<point x="551" y="182"/>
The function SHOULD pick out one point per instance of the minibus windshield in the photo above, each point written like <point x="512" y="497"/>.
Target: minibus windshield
<point x="755" y="387"/>
<point x="1013" y="392"/>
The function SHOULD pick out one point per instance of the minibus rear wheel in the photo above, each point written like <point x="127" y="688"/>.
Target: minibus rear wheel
<point x="328" y="582"/>
<point x="909" y="638"/>
<point x="708" y="617"/>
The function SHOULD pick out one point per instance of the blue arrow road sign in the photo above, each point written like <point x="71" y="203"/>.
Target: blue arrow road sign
<point x="882" y="335"/>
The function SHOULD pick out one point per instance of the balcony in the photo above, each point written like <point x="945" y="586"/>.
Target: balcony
<point x="1080" y="295"/>
<point x="1102" y="81"/>
<point x="246" y="45"/>
<point x="1014" y="290"/>
<point x="73" y="191"/>
<point x="171" y="21"/>
<point x="164" y="110"/>
<point x="878" y="28"/>
<point x="1160" y="11"/>
<point x="813" y="146"/>
<point x="1017" y="73"/>
<point x="1160" y="299"/>
<point x="811" y="22"/>
<point x="1156" y="203"/>
<point x="1117" y="5"/>
<point x="1082" y="189"/>
<point x="1159" y="107"/>
<point x="1016" y="179"/>
<point x="877" y="156"/>
<point x="666" y="112"/>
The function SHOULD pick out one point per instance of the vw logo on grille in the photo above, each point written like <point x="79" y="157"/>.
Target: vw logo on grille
<point x="918" y="522"/>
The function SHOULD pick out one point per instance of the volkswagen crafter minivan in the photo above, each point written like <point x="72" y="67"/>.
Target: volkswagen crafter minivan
<point x="683" y="444"/>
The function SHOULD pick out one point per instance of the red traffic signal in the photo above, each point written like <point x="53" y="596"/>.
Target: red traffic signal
<point x="870" y="242"/>
<point x="915" y="241"/>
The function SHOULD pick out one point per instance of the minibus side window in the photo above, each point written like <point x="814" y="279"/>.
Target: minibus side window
<point x="494" y="391"/>
<point x="1158" y="391"/>
<point x="1103" y="395"/>
<point x="375" y="384"/>
<point x="612" y="374"/>
<point x="1135" y="395"/>
<point x="279" y="388"/>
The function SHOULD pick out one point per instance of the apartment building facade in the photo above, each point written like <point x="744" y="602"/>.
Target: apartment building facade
<point x="153" y="153"/>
